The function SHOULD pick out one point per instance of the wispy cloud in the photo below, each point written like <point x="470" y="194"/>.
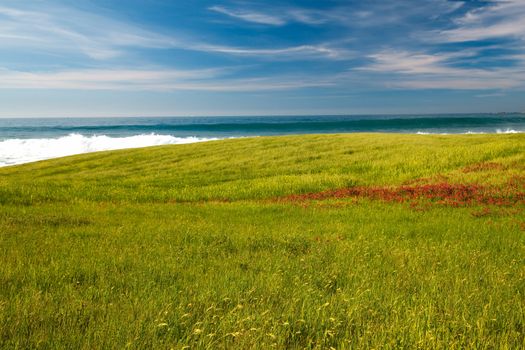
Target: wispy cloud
<point x="250" y="16"/>
<point x="276" y="16"/>
<point x="405" y="62"/>
<point x="497" y="20"/>
<point x="100" y="79"/>
<point x="361" y="14"/>
<point x="293" y="52"/>
<point x="66" y="30"/>
<point x="415" y="70"/>
<point x="472" y="67"/>
<point x="150" y="80"/>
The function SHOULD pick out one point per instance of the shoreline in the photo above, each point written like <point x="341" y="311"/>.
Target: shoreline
<point x="24" y="151"/>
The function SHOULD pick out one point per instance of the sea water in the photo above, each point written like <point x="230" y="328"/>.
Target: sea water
<point x="26" y="140"/>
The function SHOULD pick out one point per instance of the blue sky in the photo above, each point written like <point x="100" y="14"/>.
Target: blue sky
<point x="233" y="57"/>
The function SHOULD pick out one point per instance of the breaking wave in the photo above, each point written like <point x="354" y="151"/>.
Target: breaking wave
<point x="19" y="151"/>
<point x="498" y="131"/>
<point x="508" y="131"/>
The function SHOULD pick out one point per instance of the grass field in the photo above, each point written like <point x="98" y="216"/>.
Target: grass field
<point x="316" y="242"/>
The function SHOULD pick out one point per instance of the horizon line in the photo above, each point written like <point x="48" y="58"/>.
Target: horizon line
<point x="260" y="115"/>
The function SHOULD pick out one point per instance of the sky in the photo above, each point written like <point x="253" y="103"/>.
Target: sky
<point x="104" y="58"/>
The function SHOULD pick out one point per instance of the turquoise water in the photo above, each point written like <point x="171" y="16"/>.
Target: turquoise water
<point x="27" y="140"/>
<point x="251" y="126"/>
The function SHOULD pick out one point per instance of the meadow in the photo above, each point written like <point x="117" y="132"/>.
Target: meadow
<point x="298" y="242"/>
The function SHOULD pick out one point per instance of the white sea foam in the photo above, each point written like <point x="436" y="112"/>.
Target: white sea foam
<point x="18" y="151"/>
<point x="431" y="133"/>
<point x="508" y="131"/>
<point x="498" y="131"/>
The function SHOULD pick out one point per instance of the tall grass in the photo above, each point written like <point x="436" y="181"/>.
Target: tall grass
<point x="184" y="246"/>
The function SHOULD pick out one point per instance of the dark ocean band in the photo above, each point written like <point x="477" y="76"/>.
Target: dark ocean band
<point x="246" y="126"/>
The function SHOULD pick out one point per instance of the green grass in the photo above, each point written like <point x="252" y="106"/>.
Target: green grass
<point x="186" y="246"/>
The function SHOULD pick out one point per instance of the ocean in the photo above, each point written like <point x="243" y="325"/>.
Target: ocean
<point x="26" y="140"/>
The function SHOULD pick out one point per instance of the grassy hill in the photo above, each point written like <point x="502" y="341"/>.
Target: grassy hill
<point x="266" y="242"/>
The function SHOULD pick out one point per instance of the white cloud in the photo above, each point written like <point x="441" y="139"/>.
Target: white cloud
<point x="501" y="19"/>
<point x="250" y="16"/>
<point x="405" y="62"/>
<point x="364" y="14"/>
<point x="149" y="80"/>
<point x="463" y="69"/>
<point x="294" y="52"/>
<point x="100" y="79"/>
<point x="308" y="16"/>
<point x="280" y="16"/>
<point x="414" y="70"/>
<point x="460" y="83"/>
<point x="66" y="30"/>
<point x="70" y="32"/>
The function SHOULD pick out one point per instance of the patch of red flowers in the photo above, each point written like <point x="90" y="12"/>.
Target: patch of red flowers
<point x="441" y="193"/>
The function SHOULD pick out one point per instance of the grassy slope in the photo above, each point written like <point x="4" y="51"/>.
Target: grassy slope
<point x="179" y="245"/>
